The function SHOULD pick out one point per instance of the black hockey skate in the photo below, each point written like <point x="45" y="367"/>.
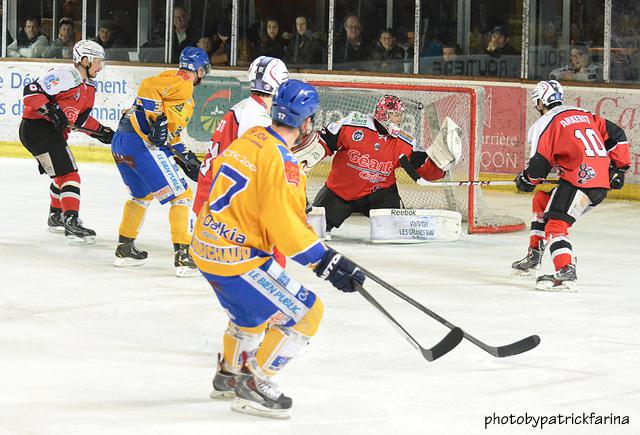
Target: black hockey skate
<point x="529" y="266"/>
<point x="55" y="221"/>
<point x="224" y="383"/>
<point x="76" y="233"/>
<point x="128" y="255"/>
<point x="183" y="262"/>
<point x="258" y="396"/>
<point x="564" y="280"/>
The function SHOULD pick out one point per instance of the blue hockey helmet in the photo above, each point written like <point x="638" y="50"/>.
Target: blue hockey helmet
<point x="294" y="103"/>
<point x="194" y="58"/>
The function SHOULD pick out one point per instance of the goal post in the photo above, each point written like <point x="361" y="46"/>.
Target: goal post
<point x="427" y="106"/>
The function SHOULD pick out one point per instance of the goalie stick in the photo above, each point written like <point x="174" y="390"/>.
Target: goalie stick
<point x="411" y="172"/>
<point x="448" y="343"/>
<point x="515" y="348"/>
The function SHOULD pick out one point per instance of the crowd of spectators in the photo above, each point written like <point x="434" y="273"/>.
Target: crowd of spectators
<point x="355" y="48"/>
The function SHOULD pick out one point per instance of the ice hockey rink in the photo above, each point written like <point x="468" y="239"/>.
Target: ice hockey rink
<point x="87" y="348"/>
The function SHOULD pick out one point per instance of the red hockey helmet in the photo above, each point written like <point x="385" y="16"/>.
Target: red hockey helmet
<point x="386" y="105"/>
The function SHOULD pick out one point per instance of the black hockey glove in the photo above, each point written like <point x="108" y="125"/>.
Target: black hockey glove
<point x="103" y="134"/>
<point x="523" y="183"/>
<point x="340" y="271"/>
<point x="191" y="165"/>
<point x="616" y="177"/>
<point x="56" y="115"/>
<point x="159" y="131"/>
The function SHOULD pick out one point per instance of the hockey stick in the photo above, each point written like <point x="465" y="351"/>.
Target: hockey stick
<point x="450" y="341"/>
<point x="94" y="133"/>
<point x="514" y="348"/>
<point x="411" y="172"/>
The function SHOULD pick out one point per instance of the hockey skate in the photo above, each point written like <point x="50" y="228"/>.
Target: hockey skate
<point x="223" y="383"/>
<point x="564" y="280"/>
<point x="183" y="262"/>
<point x="128" y="255"/>
<point x="258" y="396"/>
<point x="55" y="222"/>
<point x="76" y="233"/>
<point x="529" y="266"/>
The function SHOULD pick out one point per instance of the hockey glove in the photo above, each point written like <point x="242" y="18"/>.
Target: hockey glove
<point x="103" y="134"/>
<point x="616" y="177"/>
<point x="523" y="183"/>
<point x="340" y="271"/>
<point x="56" y="115"/>
<point x="159" y="131"/>
<point x="190" y="165"/>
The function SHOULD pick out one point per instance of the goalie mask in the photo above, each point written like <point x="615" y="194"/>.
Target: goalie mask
<point x="389" y="112"/>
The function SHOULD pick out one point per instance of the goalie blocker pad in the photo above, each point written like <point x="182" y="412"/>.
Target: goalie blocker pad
<point x="390" y="225"/>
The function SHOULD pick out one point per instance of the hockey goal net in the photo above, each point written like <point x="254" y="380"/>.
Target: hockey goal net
<point x="426" y="109"/>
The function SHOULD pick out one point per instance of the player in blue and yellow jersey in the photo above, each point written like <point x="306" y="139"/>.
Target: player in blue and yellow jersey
<point x="144" y="147"/>
<point x="257" y="201"/>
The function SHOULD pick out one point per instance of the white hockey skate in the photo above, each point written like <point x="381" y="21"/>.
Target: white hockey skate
<point x="564" y="280"/>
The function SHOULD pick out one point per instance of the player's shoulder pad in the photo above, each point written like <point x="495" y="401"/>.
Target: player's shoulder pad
<point x="357" y="119"/>
<point x="60" y="79"/>
<point x="291" y="166"/>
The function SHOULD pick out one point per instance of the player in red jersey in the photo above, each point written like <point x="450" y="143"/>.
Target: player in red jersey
<point x="366" y="151"/>
<point x="53" y="104"/>
<point x="591" y="156"/>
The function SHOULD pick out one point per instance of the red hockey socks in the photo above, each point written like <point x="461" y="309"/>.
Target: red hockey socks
<point x="559" y="245"/>
<point x="69" y="185"/>
<point x="538" y="206"/>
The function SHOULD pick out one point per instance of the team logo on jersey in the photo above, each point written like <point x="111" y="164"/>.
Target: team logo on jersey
<point x="292" y="173"/>
<point x="585" y="173"/>
<point x="51" y="81"/>
<point x="357" y="135"/>
<point x="376" y="146"/>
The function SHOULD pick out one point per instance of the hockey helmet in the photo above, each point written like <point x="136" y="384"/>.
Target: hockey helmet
<point x="88" y="49"/>
<point x="385" y="105"/>
<point x="549" y="92"/>
<point x="194" y="58"/>
<point x="294" y="103"/>
<point x="266" y="74"/>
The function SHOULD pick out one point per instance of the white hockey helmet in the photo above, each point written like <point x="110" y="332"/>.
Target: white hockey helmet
<point x="88" y="49"/>
<point x="549" y="92"/>
<point x="266" y="74"/>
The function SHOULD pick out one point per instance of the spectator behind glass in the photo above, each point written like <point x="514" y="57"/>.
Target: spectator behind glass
<point x="62" y="46"/>
<point x="500" y="43"/>
<point x="152" y="51"/>
<point x="450" y="51"/>
<point x="271" y="42"/>
<point x="6" y="35"/>
<point x="349" y="48"/>
<point x="72" y="9"/>
<point x="30" y="42"/>
<point x="387" y="56"/>
<point x="206" y="43"/>
<point x="184" y="34"/>
<point x="304" y="50"/>
<point x="222" y="45"/>
<point x="110" y="41"/>
<point x="579" y="68"/>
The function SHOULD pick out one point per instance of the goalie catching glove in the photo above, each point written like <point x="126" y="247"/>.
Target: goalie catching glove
<point x="446" y="149"/>
<point x="340" y="271"/>
<point x="310" y="151"/>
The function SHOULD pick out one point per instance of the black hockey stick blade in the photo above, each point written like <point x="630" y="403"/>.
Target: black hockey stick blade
<point x="518" y="347"/>
<point x="448" y="343"/>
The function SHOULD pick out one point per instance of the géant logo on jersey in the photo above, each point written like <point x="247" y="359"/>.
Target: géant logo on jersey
<point x="370" y="169"/>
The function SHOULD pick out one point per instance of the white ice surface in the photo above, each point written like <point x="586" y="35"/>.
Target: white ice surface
<point x="89" y="348"/>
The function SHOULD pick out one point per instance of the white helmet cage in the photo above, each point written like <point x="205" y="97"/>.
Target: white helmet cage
<point x="88" y="49"/>
<point x="266" y="74"/>
<point x="549" y="92"/>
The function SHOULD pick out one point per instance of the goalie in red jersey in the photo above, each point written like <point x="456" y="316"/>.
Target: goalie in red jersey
<point x="591" y="156"/>
<point x="366" y="151"/>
